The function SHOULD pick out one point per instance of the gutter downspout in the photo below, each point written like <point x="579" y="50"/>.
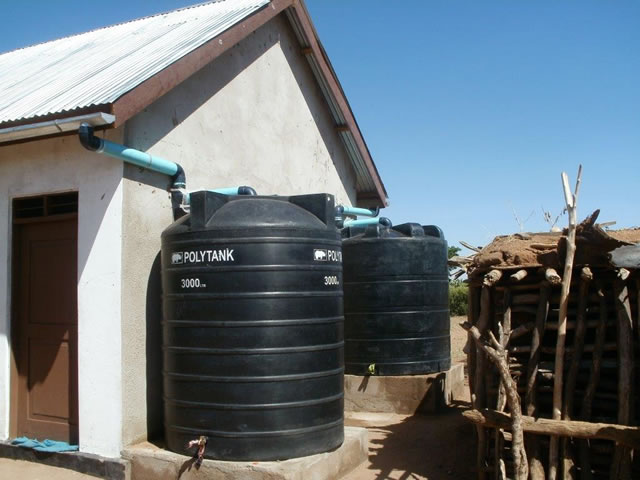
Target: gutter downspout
<point x="141" y="159"/>
<point x="179" y="195"/>
<point x="344" y="213"/>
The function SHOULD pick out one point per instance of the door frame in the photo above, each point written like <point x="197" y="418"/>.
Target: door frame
<point x="14" y="229"/>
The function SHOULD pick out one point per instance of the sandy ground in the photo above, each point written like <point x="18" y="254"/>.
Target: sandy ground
<point x="458" y="340"/>
<point x="420" y="447"/>
<point x="20" y="470"/>
<point x="429" y="447"/>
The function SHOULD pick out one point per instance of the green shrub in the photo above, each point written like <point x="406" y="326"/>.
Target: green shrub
<point x="458" y="294"/>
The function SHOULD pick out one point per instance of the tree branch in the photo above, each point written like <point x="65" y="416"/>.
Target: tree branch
<point x="628" y="436"/>
<point x="571" y="201"/>
<point x="498" y="356"/>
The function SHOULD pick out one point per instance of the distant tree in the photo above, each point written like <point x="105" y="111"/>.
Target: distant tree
<point x="452" y="252"/>
<point x="458" y="291"/>
<point x="548" y="217"/>
<point x="458" y="298"/>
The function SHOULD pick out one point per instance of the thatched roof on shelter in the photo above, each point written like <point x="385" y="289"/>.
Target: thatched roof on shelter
<point x="594" y="247"/>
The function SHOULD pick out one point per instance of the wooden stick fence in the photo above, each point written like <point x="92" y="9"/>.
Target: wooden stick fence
<point x="601" y="369"/>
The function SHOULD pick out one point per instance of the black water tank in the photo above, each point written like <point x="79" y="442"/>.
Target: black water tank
<point x="396" y="296"/>
<point x="253" y="327"/>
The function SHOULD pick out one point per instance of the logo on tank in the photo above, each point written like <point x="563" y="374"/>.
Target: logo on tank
<point x="325" y="255"/>
<point x="202" y="256"/>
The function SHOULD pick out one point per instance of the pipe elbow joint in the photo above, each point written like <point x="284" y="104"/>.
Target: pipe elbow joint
<point x="88" y="139"/>
<point x="246" y="190"/>
<point x="179" y="179"/>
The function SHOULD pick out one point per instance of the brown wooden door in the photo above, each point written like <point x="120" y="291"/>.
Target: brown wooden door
<point x="46" y="323"/>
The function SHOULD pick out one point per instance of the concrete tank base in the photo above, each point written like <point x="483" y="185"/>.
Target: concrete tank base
<point x="405" y="394"/>
<point x="150" y="462"/>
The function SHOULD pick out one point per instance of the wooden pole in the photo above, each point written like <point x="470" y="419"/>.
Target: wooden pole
<point x="578" y="342"/>
<point x="498" y="355"/>
<point x="552" y="276"/>
<point x="536" y="468"/>
<point x="519" y="275"/>
<point x="491" y="278"/>
<point x="623" y="274"/>
<point x="534" y="356"/>
<point x="470" y="247"/>
<point x="626" y="435"/>
<point x="504" y="334"/>
<point x="522" y="330"/>
<point x="571" y="200"/>
<point x="500" y="470"/>
<point x="621" y="466"/>
<point x="638" y="319"/>
<point x="594" y="378"/>
<point x="478" y="398"/>
<point x="607" y="347"/>
<point x="572" y="375"/>
<point x="472" y="317"/>
<point x="525" y="299"/>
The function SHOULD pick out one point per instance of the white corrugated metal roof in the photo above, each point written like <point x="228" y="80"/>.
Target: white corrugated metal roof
<point x="99" y="66"/>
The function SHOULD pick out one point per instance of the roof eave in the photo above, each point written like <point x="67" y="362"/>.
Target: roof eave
<point x="370" y="190"/>
<point x="102" y="108"/>
<point x="374" y="194"/>
<point x="143" y="95"/>
<point x="53" y="127"/>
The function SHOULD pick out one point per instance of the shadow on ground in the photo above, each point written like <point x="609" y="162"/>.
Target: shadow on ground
<point x="434" y="447"/>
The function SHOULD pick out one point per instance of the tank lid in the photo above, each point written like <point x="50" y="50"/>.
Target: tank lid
<point x="231" y="211"/>
<point x="412" y="230"/>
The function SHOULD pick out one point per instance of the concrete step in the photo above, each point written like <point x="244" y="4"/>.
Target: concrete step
<point x="406" y="394"/>
<point x="150" y="462"/>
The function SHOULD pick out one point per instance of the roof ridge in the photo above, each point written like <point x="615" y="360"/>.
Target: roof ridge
<point x="125" y="22"/>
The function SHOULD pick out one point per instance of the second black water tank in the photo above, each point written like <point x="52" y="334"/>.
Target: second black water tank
<point x="396" y="300"/>
<point x="253" y="327"/>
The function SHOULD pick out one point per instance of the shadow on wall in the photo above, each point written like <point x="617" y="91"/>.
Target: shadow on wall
<point x="155" y="412"/>
<point x="156" y="121"/>
<point x="153" y="124"/>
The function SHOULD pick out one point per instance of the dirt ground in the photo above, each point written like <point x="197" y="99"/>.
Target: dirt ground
<point x="420" y="447"/>
<point x="21" y="470"/>
<point x="458" y="340"/>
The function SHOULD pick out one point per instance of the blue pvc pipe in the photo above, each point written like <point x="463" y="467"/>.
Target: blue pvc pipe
<point x="356" y="211"/>
<point x="362" y="222"/>
<point x="227" y="190"/>
<point x="136" y="157"/>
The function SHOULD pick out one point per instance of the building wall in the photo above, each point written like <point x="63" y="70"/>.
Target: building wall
<point x="255" y="116"/>
<point x="59" y="165"/>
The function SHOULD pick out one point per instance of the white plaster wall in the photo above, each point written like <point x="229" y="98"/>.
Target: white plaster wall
<point x="58" y="165"/>
<point x="256" y="117"/>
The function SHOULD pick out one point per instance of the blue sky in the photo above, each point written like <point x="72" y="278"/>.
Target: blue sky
<point x="471" y="110"/>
